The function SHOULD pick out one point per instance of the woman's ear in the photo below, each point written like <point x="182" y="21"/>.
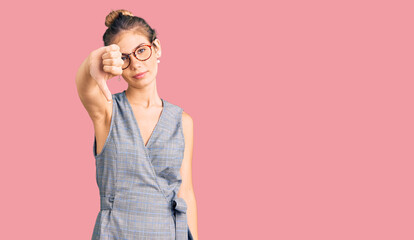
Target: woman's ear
<point x="157" y="49"/>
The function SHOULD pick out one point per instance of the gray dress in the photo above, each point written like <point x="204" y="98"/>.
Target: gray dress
<point x="138" y="184"/>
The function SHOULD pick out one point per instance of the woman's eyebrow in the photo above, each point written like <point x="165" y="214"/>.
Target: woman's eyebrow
<point x="137" y="46"/>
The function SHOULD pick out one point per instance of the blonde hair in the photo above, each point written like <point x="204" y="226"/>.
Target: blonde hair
<point x="122" y="20"/>
<point x="114" y="14"/>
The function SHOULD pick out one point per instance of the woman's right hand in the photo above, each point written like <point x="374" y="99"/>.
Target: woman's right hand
<point x="105" y="63"/>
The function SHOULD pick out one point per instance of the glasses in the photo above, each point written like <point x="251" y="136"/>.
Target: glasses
<point x="141" y="53"/>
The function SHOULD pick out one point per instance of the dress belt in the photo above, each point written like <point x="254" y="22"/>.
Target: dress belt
<point x="107" y="202"/>
<point x="179" y="207"/>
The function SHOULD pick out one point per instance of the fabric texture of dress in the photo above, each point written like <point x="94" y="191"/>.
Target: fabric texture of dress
<point x="138" y="184"/>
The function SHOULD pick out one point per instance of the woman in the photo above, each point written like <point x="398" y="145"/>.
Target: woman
<point x="143" y="144"/>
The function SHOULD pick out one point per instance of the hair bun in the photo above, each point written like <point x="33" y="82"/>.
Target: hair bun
<point x="110" y="18"/>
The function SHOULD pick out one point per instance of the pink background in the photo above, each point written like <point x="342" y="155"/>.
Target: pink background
<point x="303" y="115"/>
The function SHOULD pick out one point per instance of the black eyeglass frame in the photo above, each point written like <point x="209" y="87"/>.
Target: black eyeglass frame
<point x="134" y="52"/>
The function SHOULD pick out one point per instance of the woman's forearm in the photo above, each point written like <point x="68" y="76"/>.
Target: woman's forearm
<point x="190" y="199"/>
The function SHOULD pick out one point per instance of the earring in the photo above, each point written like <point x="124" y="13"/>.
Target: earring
<point x="158" y="61"/>
<point x="119" y="78"/>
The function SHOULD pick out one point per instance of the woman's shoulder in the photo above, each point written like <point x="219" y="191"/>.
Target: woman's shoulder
<point x="118" y="94"/>
<point x="178" y="111"/>
<point x="184" y="116"/>
<point x="172" y="106"/>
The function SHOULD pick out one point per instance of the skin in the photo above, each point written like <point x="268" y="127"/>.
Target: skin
<point x="147" y="106"/>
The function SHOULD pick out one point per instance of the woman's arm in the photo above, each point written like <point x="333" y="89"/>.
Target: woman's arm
<point x="186" y="190"/>
<point x="89" y="92"/>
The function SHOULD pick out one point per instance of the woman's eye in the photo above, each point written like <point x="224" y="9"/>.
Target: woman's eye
<point x="139" y="50"/>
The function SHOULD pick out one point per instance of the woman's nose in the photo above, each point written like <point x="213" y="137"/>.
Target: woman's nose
<point x="135" y="63"/>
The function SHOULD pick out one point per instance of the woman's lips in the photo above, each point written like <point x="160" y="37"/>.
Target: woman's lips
<point x="140" y="75"/>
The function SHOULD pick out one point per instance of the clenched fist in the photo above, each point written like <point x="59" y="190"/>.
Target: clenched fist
<point x="105" y="63"/>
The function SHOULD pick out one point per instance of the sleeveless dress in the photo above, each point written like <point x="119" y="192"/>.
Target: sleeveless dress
<point x="138" y="184"/>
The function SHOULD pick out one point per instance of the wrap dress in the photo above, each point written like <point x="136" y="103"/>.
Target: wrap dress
<point x="138" y="183"/>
